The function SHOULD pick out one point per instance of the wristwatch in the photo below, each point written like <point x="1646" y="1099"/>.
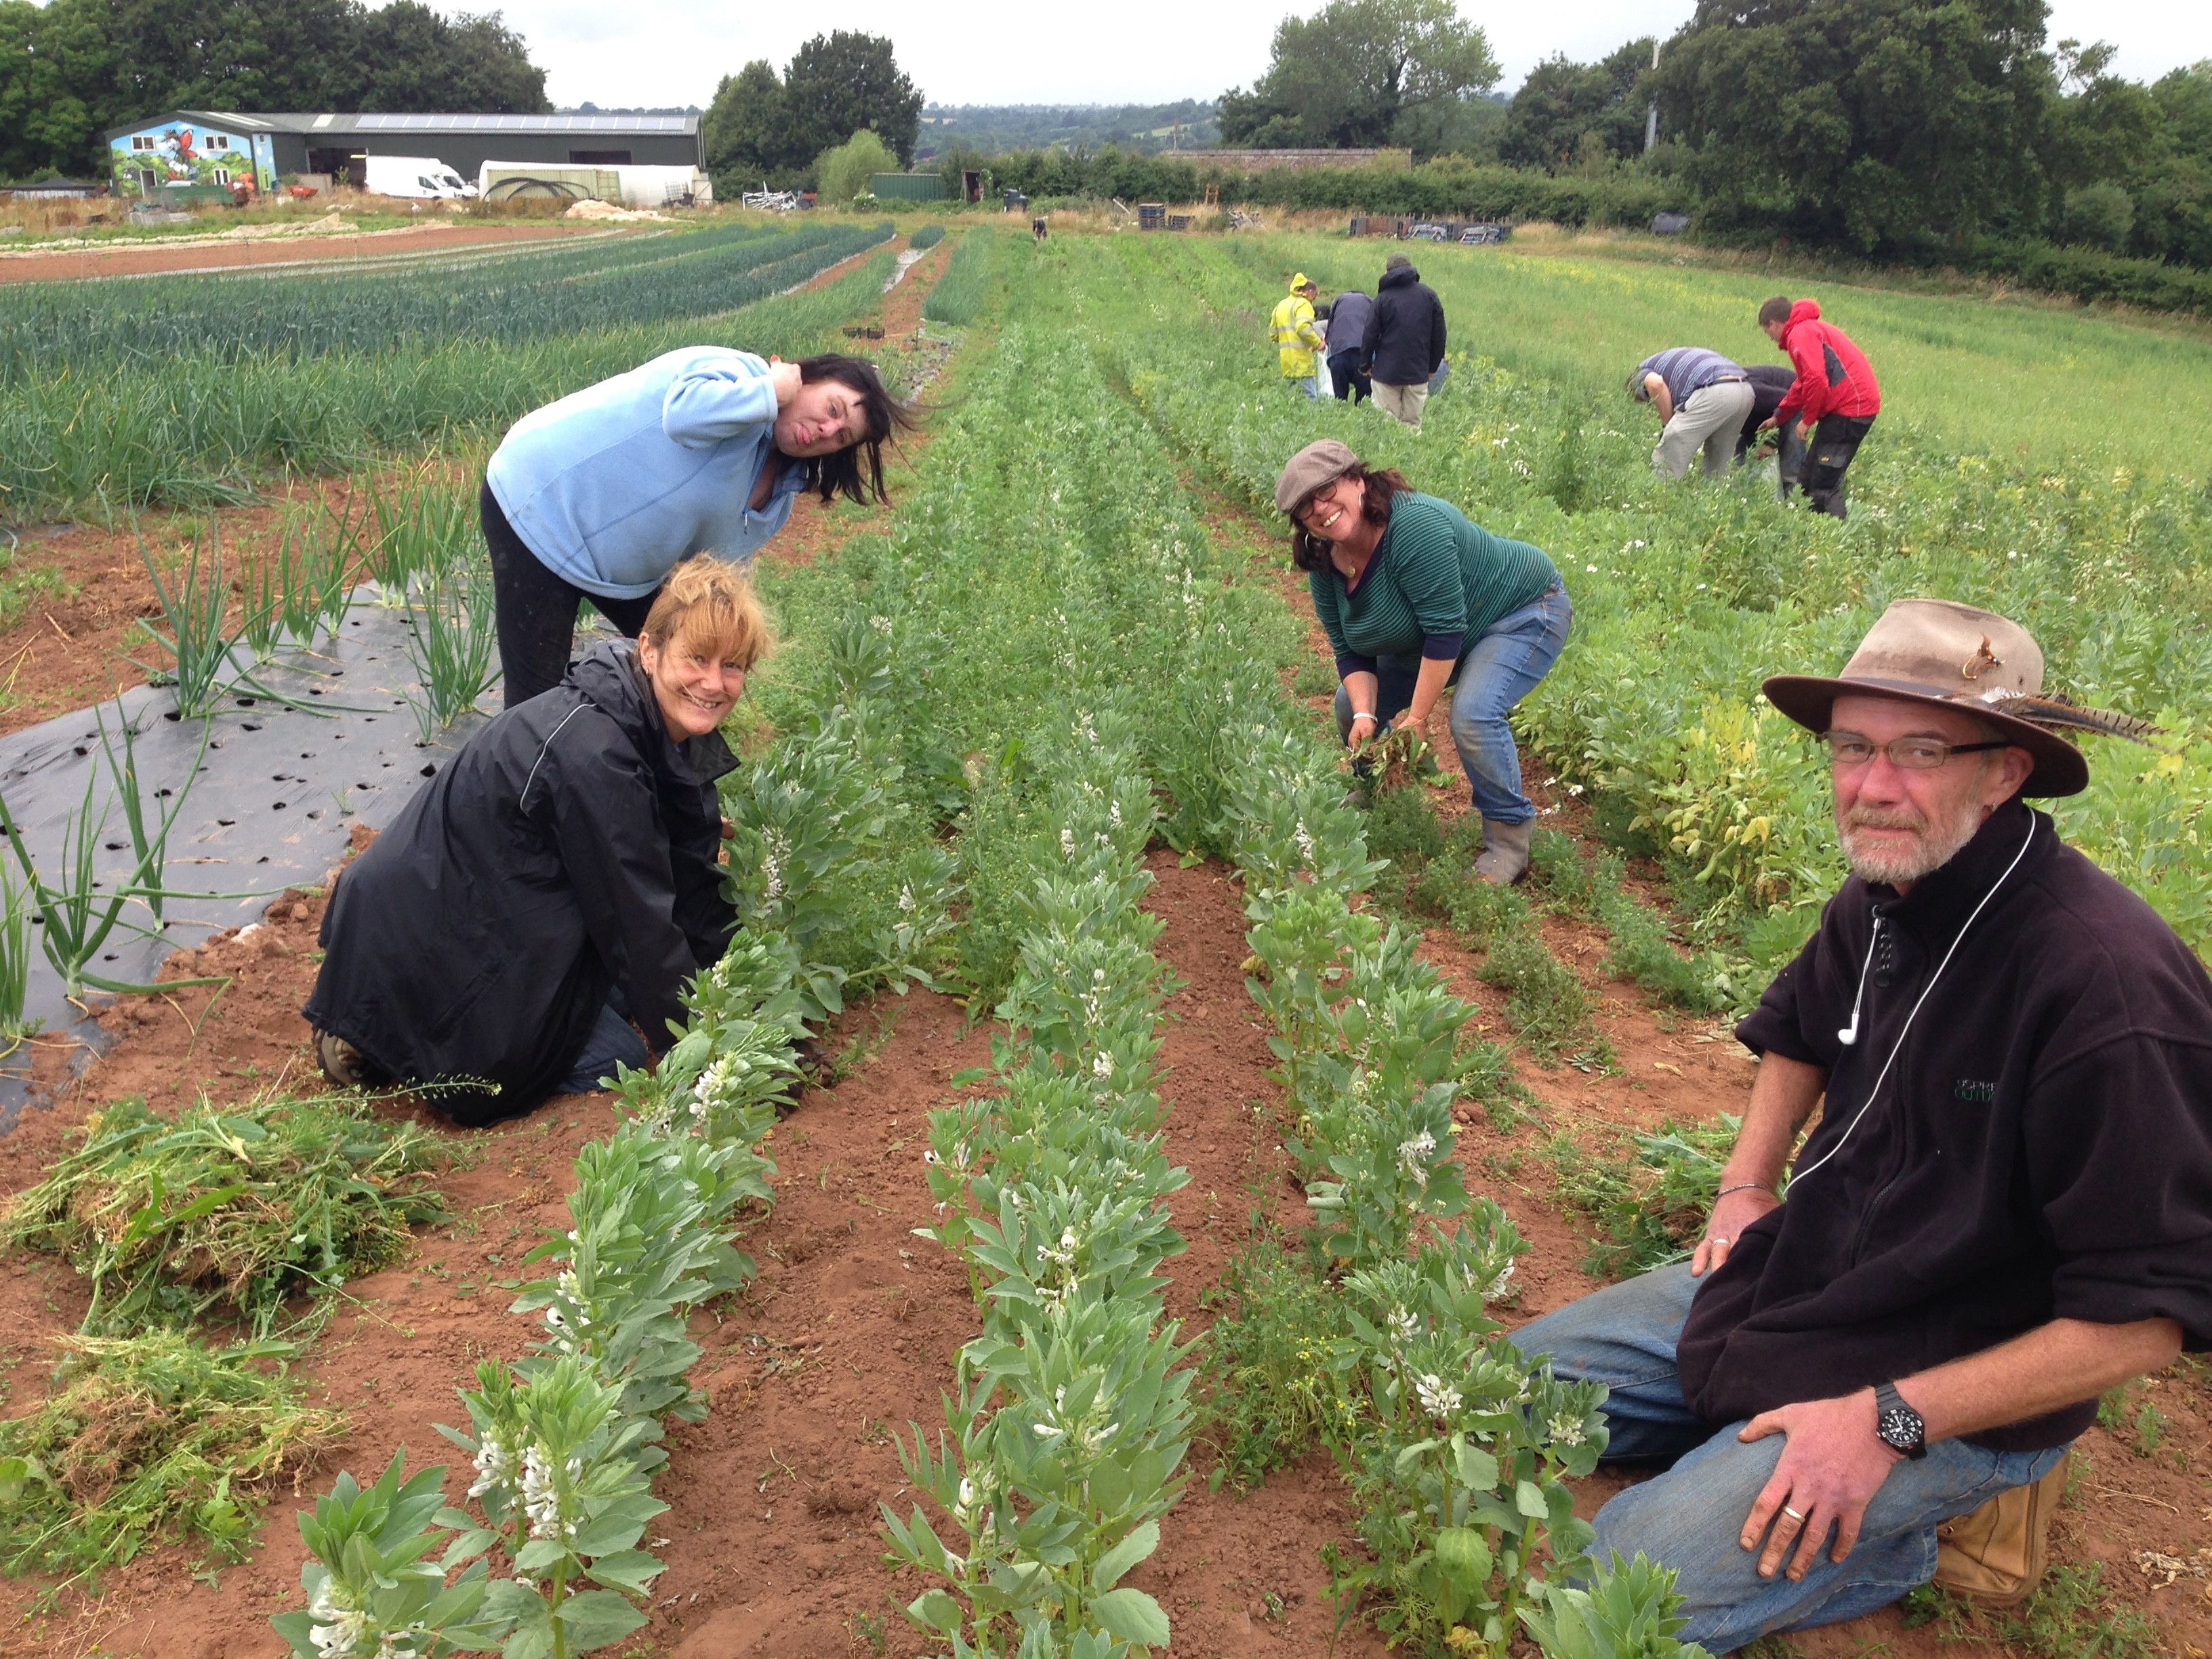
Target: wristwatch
<point x="1901" y="1428"/>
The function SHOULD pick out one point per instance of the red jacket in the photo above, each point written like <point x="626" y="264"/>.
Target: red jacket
<point x="1833" y="376"/>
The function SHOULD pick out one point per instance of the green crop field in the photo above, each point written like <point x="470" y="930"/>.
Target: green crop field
<point x="120" y="395"/>
<point x="1065" y="659"/>
<point x="2031" y="384"/>
<point x="1687" y="593"/>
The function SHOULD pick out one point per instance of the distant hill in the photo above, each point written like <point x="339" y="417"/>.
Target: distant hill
<point x="1144" y="128"/>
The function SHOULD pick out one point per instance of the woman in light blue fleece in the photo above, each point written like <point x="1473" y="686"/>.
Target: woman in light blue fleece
<point x="601" y="494"/>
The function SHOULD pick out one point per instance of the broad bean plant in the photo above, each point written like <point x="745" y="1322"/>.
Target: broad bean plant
<point x="547" y="1555"/>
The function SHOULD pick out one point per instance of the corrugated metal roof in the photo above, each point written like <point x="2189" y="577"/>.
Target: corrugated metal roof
<point x="520" y="123"/>
<point x="312" y="122"/>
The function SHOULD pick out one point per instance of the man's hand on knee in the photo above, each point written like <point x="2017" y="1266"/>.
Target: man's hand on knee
<point x="1832" y="1466"/>
<point x="1738" y="1208"/>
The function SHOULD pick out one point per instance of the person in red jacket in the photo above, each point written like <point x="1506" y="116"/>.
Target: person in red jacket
<point x="1834" y="401"/>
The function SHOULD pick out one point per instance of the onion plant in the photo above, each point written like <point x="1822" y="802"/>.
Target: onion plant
<point x="303" y="587"/>
<point x="450" y="637"/>
<point x="195" y="604"/>
<point x="78" y="913"/>
<point x="14" y="963"/>
<point x="422" y="529"/>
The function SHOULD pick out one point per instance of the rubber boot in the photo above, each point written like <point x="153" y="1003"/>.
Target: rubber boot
<point x="1504" y="856"/>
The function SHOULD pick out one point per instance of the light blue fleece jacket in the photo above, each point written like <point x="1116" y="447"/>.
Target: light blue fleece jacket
<point x="613" y="486"/>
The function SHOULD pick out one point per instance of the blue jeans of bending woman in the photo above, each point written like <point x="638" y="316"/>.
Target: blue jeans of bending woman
<point x="614" y="1040"/>
<point x="1690" y="1516"/>
<point x="1502" y="665"/>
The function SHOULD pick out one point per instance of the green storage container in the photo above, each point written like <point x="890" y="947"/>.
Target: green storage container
<point x="907" y="187"/>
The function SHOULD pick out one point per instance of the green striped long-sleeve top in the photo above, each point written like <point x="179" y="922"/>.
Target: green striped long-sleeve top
<point x="1437" y="583"/>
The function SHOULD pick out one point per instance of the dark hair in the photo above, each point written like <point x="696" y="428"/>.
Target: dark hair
<point x="1308" y="550"/>
<point x="857" y="471"/>
<point x="1776" y="310"/>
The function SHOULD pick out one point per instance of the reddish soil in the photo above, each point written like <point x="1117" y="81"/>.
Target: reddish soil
<point x="143" y="258"/>
<point x="85" y="585"/>
<point x="849" y="1333"/>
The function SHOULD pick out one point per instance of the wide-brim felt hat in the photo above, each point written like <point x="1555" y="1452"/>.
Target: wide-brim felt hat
<point x="1954" y="656"/>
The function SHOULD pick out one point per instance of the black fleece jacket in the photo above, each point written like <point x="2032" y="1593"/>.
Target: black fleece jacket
<point x="1404" y="332"/>
<point x="2041" y="1148"/>
<point x="569" y="848"/>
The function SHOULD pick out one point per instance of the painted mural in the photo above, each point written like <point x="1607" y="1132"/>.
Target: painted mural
<point x="187" y="153"/>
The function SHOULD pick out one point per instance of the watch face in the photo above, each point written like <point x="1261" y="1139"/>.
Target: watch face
<point x="1901" y="1428"/>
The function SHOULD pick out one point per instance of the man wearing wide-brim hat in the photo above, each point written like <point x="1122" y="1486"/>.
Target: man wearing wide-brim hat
<point x="2003" y="1211"/>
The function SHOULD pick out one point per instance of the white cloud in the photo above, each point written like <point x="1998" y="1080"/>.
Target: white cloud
<point x="999" y="52"/>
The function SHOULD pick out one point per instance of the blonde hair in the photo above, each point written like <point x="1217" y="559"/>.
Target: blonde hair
<point x="707" y="607"/>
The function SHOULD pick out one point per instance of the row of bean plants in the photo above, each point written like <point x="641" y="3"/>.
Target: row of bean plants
<point x="564" y="1442"/>
<point x="194" y="429"/>
<point x="1050" y="500"/>
<point x="1686" y="594"/>
<point x="1064" y="1438"/>
<point x="48" y="330"/>
<point x="1457" y="1447"/>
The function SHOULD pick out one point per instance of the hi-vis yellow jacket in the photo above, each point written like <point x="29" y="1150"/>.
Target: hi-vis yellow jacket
<point x="1296" y="339"/>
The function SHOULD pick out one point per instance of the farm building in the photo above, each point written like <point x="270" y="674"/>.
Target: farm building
<point x="218" y="147"/>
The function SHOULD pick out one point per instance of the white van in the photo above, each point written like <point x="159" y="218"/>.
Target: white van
<point x="422" y="178"/>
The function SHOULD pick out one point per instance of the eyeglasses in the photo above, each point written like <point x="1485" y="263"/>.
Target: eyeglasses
<point x="1906" y="754"/>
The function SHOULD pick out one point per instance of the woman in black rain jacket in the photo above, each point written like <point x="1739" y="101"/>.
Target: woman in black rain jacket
<point x="545" y="898"/>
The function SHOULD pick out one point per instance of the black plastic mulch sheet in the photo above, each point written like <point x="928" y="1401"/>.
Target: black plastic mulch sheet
<point x="269" y="803"/>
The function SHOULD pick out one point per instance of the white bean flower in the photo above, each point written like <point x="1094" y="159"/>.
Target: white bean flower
<point x="337" y="1630"/>
<point x="1415" y="1154"/>
<point x="495" y="1466"/>
<point x="1438" y="1398"/>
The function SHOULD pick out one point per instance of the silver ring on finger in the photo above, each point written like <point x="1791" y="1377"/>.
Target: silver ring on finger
<point x="1718" y="1243"/>
<point x="1795" y="1515"/>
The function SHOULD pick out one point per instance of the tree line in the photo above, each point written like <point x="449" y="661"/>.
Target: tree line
<point x="766" y="128"/>
<point x="1886" y="128"/>
<point x="73" y="68"/>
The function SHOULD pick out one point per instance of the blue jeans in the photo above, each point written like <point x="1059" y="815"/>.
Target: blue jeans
<point x="1309" y="384"/>
<point x="613" y="1039"/>
<point x="1504" y="663"/>
<point x="1689" y="1517"/>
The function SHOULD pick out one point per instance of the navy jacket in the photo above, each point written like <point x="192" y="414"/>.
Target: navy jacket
<point x="1406" y="335"/>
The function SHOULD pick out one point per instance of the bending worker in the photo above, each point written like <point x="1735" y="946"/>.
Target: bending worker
<point x="1418" y="600"/>
<point x="1348" y="317"/>
<point x="1297" y="335"/>
<point x="600" y="495"/>
<point x="1701" y="399"/>
<point x="2003" y="1210"/>
<point x="547" y="896"/>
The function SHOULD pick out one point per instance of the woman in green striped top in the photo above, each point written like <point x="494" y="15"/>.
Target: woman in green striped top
<point x="1417" y="600"/>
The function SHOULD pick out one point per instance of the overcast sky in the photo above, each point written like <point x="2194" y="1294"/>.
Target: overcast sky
<point x="1014" y="51"/>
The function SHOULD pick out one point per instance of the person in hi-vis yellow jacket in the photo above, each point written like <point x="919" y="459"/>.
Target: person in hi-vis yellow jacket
<point x="1295" y="336"/>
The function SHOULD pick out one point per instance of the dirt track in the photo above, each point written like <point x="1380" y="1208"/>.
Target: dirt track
<point x="147" y="259"/>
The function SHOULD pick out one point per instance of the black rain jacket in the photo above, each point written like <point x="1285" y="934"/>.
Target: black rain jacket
<point x="569" y="850"/>
<point x="1406" y="331"/>
<point x="2041" y="1149"/>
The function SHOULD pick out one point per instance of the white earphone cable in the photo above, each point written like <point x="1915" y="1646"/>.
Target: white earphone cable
<point x="1896" y="1048"/>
